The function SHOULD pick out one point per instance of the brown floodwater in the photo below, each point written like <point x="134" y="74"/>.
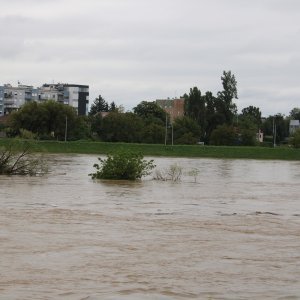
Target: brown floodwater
<point x="231" y="232"/>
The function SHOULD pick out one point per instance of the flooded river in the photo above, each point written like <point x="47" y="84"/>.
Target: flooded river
<point x="231" y="232"/>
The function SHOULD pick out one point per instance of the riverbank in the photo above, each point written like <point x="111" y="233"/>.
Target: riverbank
<point x="90" y="147"/>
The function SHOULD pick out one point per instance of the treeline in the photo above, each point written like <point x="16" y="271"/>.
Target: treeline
<point x="47" y="120"/>
<point x="208" y="118"/>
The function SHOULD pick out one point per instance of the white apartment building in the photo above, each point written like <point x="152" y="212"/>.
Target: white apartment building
<point x="75" y="95"/>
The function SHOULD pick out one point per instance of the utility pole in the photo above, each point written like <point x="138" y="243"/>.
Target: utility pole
<point x="274" y="133"/>
<point x="172" y="134"/>
<point x="166" y="133"/>
<point x="171" y="121"/>
<point x="66" y="128"/>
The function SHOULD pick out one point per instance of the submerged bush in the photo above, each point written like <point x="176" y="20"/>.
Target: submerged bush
<point x="173" y="173"/>
<point x="194" y="173"/>
<point x="17" y="159"/>
<point x="123" y="166"/>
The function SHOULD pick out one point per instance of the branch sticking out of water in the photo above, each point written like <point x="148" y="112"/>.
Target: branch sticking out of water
<point x="17" y="159"/>
<point x="173" y="173"/>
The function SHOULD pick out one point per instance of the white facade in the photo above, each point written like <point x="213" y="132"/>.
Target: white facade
<point x="294" y="125"/>
<point x="12" y="98"/>
<point x="73" y="96"/>
<point x="15" y="97"/>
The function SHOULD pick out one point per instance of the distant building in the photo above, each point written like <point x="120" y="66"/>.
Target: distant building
<point x="50" y="92"/>
<point x="15" y="97"/>
<point x="75" y="95"/>
<point x="294" y="125"/>
<point x="174" y="107"/>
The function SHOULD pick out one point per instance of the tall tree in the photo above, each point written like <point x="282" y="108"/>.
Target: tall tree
<point x="122" y="127"/>
<point x="150" y="112"/>
<point x="46" y="119"/>
<point x="223" y="135"/>
<point x="248" y="124"/>
<point x="295" y="113"/>
<point x="153" y="133"/>
<point x="213" y="117"/>
<point x="193" y="104"/>
<point x="113" y="107"/>
<point x="227" y="95"/>
<point x="280" y="123"/>
<point x="186" y="131"/>
<point x="99" y="105"/>
<point x="195" y="108"/>
<point x="253" y="113"/>
<point x="295" y="139"/>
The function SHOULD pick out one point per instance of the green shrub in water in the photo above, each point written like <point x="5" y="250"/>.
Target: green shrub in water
<point x="123" y="166"/>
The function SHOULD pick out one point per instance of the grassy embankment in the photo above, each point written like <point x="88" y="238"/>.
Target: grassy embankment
<point x="85" y="147"/>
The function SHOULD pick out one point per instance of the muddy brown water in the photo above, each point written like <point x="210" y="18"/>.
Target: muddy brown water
<point x="232" y="234"/>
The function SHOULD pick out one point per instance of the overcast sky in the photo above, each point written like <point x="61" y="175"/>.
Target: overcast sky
<point x="134" y="50"/>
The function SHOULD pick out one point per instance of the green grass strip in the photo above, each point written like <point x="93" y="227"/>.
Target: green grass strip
<point x="91" y="147"/>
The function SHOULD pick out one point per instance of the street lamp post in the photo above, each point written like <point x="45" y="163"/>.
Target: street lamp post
<point x="274" y="132"/>
<point x="166" y="133"/>
<point x="172" y="133"/>
<point x="66" y="128"/>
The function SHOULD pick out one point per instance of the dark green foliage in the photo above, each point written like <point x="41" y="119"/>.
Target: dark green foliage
<point x="215" y="114"/>
<point x="48" y="120"/>
<point x="248" y="128"/>
<point x="295" y="139"/>
<point x="121" y="127"/>
<point x="123" y="165"/>
<point x="193" y="104"/>
<point x="99" y="105"/>
<point x="254" y="113"/>
<point x="153" y="134"/>
<point x="186" y="131"/>
<point x="210" y="112"/>
<point x="96" y="122"/>
<point x="146" y="125"/>
<point x="2" y="126"/>
<point x="227" y="107"/>
<point x="247" y="137"/>
<point x="295" y="113"/>
<point x="281" y="124"/>
<point x="186" y="139"/>
<point x="195" y="108"/>
<point x="82" y="129"/>
<point x="113" y="107"/>
<point x="150" y="111"/>
<point x="247" y="122"/>
<point x="130" y="128"/>
<point x="224" y="135"/>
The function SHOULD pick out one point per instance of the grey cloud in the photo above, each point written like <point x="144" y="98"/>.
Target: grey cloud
<point x="131" y="50"/>
<point x="11" y="48"/>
